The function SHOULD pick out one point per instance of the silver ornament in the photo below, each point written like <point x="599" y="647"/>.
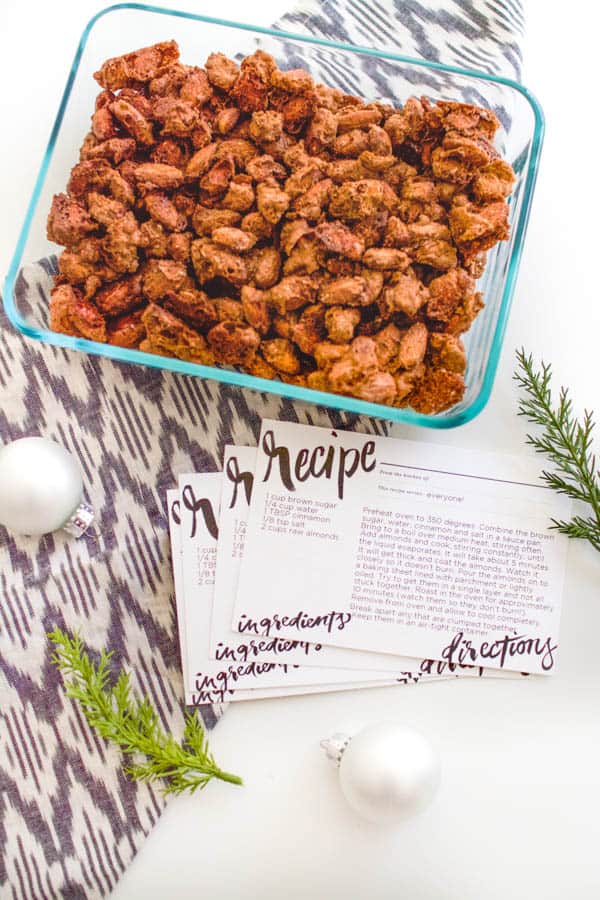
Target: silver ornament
<point x="387" y="772"/>
<point x="41" y="488"/>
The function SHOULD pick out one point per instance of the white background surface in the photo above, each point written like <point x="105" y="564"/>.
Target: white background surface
<point x="517" y="814"/>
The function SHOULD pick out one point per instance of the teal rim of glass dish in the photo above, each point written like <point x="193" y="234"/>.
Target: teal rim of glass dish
<point x="240" y="379"/>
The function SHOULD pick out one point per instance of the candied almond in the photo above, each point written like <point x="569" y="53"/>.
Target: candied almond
<point x="306" y="258"/>
<point x="413" y="345"/>
<point x="170" y="335"/>
<point x="256" y="309"/>
<point x="406" y="382"/>
<point x="193" y="306"/>
<point x="386" y="258"/>
<point x="379" y="140"/>
<point x="357" y="118"/>
<point x="297" y="112"/>
<point x="133" y="121"/>
<point x="340" y="322"/>
<point x="211" y="261"/>
<point x="293" y="81"/>
<point x="233" y="344"/>
<point x="115" y="149"/>
<point x="309" y="330"/>
<point x="205" y="220"/>
<point x="256" y="224"/>
<point x="250" y="92"/>
<point x="195" y="87"/>
<point x="127" y="330"/>
<point x="263" y="167"/>
<point x="178" y="117"/>
<point x="337" y="238"/>
<point x="291" y="232"/>
<point x="317" y="380"/>
<point x="351" y="291"/>
<point x="141" y="65"/>
<point x="266" y="267"/>
<point x="302" y="180"/>
<point x="292" y="292"/>
<point x="378" y="387"/>
<point x="70" y="313"/>
<point x="272" y="202"/>
<point x="494" y="182"/>
<point x="321" y="131"/>
<point x="374" y="283"/>
<point x="217" y="178"/>
<point x="200" y="161"/>
<point x="169" y="82"/>
<point x="104" y="209"/>
<point x="281" y="354"/>
<point x="310" y="205"/>
<point x="437" y="390"/>
<point x="476" y="227"/>
<point x="178" y="245"/>
<point x="227" y="119"/>
<point x="120" y="244"/>
<point x="376" y="162"/>
<point x="161" y="276"/>
<point x="158" y="175"/>
<point x="266" y="125"/>
<point x="221" y="71"/>
<point x="233" y="238"/>
<point x="351" y="143"/>
<point x="447" y="351"/>
<point x="258" y="367"/>
<point x="406" y="295"/>
<point x="467" y="118"/>
<point x="103" y="124"/>
<point x="387" y="343"/>
<point x="446" y="292"/>
<point x="239" y="150"/>
<point x="283" y="326"/>
<point x="120" y="296"/>
<point x="68" y="221"/>
<point x="240" y="194"/>
<point x="327" y="353"/>
<point x="161" y="208"/>
<point x="342" y="170"/>
<point x="358" y="199"/>
<point x="230" y="310"/>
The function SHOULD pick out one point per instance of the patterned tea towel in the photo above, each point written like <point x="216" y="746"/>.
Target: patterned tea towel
<point x="70" y="821"/>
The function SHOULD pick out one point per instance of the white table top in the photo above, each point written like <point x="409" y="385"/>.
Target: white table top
<point x="516" y="816"/>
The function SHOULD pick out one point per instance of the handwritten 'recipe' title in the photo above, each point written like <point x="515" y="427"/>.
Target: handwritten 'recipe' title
<point x="334" y="461"/>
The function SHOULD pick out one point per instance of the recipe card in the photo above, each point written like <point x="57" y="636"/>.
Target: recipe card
<point x="236" y="492"/>
<point x="225" y="643"/>
<point x="238" y="676"/>
<point x="400" y="547"/>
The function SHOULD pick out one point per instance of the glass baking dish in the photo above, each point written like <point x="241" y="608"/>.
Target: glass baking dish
<point x="373" y="74"/>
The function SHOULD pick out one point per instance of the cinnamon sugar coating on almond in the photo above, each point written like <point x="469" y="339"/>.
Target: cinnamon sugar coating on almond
<point x="242" y="215"/>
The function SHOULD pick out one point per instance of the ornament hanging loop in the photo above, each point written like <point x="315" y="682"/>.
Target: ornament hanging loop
<point x="335" y="746"/>
<point x="80" y="521"/>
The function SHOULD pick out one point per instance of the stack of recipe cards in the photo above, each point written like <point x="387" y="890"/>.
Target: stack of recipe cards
<point x="329" y="560"/>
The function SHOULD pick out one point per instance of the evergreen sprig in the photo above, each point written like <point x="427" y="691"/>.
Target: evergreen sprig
<point x="121" y="717"/>
<point x="566" y="441"/>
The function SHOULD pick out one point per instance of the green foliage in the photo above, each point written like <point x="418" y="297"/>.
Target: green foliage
<point x="566" y="442"/>
<point x="132" y="724"/>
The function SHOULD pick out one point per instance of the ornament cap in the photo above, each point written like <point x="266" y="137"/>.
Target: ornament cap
<point x="335" y="746"/>
<point x="80" y="521"/>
